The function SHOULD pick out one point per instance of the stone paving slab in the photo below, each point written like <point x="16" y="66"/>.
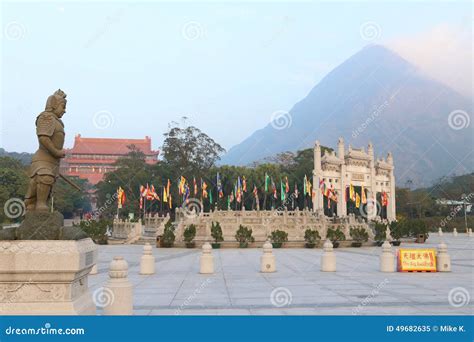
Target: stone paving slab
<point x="298" y="287"/>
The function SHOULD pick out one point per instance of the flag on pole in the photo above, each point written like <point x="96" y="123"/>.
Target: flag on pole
<point x="195" y="186"/>
<point x="153" y="193"/>
<point x="296" y="190"/>
<point x="384" y="199"/>
<point x="274" y="189"/>
<point x="267" y="182"/>
<point x="149" y="193"/>
<point x="305" y="191"/>
<point x="333" y="194"/>
<point x="238" y="194"/>
<point x="141" y="202"/>
<point x="244" y="184"/>
<point x="166" y="192"/>
<point x="120" y="197"/>
<point x="186" y="192"/>
<point x="204" y="188"/>
<point x="287" y="186"/>
<point x="165" y="195"/>
<point x="231" y="197"/>
<point x="282" y="190"/>
<point x="322" y="186"/>
<point x="181" y="186"/>
<point x="255" y="191"/>
<point x="308" y="186"/>
<point x="219" y="186"/>
<point x="255" y="194"/>
<point x="143" y="191"/>
<point x="352" y="194"/>
<point x="228" y="202"/>
<point x="364" y="197"/>
<point x="357" y="200"/>
<point x="210" y="196"/>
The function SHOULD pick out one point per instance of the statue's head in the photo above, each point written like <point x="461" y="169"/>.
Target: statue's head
<point x="56" y="103"/>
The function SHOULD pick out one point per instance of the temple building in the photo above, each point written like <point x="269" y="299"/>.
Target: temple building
<point x="91" y="158"/>
<point x="358" y="183"/>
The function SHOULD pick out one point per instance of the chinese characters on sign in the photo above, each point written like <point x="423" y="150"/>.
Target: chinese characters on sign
<point x="416" y="260"/>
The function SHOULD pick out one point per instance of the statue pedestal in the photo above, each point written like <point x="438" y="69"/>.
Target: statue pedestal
<point x="46" y="277"/>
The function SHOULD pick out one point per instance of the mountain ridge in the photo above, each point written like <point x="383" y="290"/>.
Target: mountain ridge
<point x="407" y="112"/>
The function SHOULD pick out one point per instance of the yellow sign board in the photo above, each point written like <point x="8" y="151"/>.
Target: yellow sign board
<point x="417" y="260"/>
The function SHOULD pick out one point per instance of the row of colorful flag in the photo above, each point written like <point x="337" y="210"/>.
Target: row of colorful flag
<point x="240" y="188"/>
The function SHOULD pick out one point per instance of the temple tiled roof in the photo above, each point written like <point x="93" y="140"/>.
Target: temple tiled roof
<point x="354" y="153"/>
<point x="110" y="146"/>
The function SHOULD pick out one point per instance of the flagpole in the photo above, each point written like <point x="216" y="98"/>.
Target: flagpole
<point x="161" y="202"/>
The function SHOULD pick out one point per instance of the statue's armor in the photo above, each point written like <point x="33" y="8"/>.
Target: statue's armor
<point x="43" y="162"/>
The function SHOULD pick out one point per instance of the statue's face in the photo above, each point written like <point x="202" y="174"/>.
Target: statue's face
<point x="60" y="109"/>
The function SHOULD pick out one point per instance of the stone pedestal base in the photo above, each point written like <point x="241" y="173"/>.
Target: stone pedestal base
<point x="46" y="277"/>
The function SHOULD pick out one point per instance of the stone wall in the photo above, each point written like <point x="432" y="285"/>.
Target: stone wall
<point x="126" y="230"/>
<point x="263" y="223"/>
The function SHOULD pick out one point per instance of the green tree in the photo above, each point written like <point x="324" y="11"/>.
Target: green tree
<point x="13" y="184"/>
<point x="188" y="150"/>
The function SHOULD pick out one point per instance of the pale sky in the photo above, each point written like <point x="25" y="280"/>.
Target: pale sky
<point x="131" y="68"/>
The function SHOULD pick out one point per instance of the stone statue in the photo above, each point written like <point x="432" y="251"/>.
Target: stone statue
<point x="39" y="222"/>
<point x="44" y="167"/>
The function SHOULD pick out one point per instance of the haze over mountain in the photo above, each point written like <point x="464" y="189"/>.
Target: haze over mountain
<point x="376" y="96"/>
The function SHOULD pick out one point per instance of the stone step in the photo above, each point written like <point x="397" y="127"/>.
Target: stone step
<point x="144" y="239"/>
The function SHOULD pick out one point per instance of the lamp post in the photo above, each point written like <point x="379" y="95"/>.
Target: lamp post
<point x="464" y="198"/>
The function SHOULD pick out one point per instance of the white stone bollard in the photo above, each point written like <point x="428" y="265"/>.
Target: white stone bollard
<point x="469" y="232"/>
<point x="119" y="289"/>
<point x="147" y="261"/>
<point x="207" y="259"/>
<point x="328" y="259"/>
<point x="443" y="260"/>
<point x="387" y="259"/>
<point x="94" y="270"/>
<point x="267" y="260"/>
<point x="455" y="232"/>
<point x="440" y="232"/>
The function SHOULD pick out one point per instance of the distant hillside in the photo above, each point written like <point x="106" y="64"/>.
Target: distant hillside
<point x="24" y="157"/>
<point x="375" y="96"/>
<point x="454" y="187"/>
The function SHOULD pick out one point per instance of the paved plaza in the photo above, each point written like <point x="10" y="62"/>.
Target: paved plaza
<point x="298" y="287"/>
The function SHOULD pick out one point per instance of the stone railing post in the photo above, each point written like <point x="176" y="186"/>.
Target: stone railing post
<point x="121" y="302"/>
